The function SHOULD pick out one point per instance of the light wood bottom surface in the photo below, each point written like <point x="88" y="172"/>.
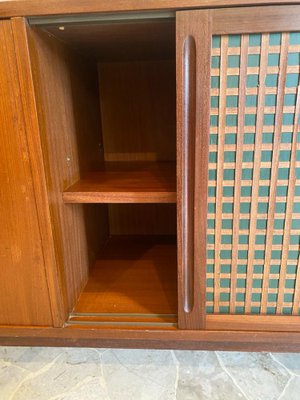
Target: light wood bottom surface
<point x="133" y="280"/>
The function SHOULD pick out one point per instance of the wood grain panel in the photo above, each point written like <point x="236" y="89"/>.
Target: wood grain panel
<point x="220" y="167"/>
<point x="71" y="141"/>
<point x="133" y="275"/>
<point x="138" y="108"/>
<point x="155" y="339"/>
<point x="238" y="169"/>
<point x="142" y="219"/>
<point x="288" y="220"/>
<point x="135" y="321"/>
<point x="274" y="170"/>
<point x="269" y="323"/>
<point x="188" y="164"/>
<point x="35" y="7"/>
<point x="24" y="296"/>
<point x="117" y="41"/>
<point x="253" y="20"/>
<point x="296" y="299"/>
<point x="256" y="169"/>
<point x="195" y="25"/>
<point x="124" y="182"/>
<point x="54" y="276"/>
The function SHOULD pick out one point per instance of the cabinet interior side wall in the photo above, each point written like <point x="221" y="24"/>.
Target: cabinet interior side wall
<point x="67" y="95"/>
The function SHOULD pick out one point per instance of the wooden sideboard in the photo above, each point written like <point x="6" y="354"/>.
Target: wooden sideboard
<point x="150" y="174"/>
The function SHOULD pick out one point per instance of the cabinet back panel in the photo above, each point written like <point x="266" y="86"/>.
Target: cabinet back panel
<point x="138" y="107"/>
<point x="142" y="219"/>
<point x="254" y="175"/>
<point x="66" y="88"/>
<point x="138" y="110"/>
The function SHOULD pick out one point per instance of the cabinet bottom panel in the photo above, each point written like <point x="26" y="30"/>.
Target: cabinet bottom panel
<point x="132" y="283"/>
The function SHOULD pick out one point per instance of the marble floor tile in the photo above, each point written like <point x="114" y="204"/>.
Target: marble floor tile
<point x="289" y="360"/>
<point x="139" y="375"/>
<point x="202" y="377"/>
<point x="29" y="358"/>
<point x="94" y="374"/>
<point x="90" y="389"/>
<point x="70" y="369"/>
<point x="10" y="376"/>
<point x="258" y="374"/>
<point x="292" y="390"/>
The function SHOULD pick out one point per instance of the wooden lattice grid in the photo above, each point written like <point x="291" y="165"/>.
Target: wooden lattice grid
<point x="254" y="175"/>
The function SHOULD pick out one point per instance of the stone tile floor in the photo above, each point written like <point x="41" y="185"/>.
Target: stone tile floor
<point x="99" y="374"/>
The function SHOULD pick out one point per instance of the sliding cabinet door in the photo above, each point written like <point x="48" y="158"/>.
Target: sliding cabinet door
<point x="27" y="294"/>
<point x="239" y="168"/>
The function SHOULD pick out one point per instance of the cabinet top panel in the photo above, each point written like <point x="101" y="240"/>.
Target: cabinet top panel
<point x="14" y="8"/>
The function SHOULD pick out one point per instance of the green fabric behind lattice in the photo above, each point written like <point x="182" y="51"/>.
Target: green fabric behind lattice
<point x="228" y="190"/>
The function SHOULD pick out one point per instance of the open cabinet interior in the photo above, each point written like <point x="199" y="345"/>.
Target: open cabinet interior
<point x="106" y="100"/>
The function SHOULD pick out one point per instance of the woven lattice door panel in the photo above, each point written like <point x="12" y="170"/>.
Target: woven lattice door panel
<point x="253" y="233"/>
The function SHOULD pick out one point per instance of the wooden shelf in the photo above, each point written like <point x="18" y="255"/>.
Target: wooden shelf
<point x="126" y="182"/>
<point x="134" y="279"/>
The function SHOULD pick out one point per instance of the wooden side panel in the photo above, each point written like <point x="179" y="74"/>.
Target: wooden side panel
<point x="68" y="107"/>
<point x="193" y="39"/>
<point x="24" y="295"/>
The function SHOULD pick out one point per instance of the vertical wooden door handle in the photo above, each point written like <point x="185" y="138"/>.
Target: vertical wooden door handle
<point x="188" y="169"/>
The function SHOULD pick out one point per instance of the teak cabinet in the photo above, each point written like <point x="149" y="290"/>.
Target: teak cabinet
<point x="150" y="175"/>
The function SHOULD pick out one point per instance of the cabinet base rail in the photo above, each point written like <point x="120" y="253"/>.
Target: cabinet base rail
<point x="156" y="339"/>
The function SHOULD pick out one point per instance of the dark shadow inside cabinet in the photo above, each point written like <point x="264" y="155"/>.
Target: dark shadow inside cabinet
<point x="106" y="100"/>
